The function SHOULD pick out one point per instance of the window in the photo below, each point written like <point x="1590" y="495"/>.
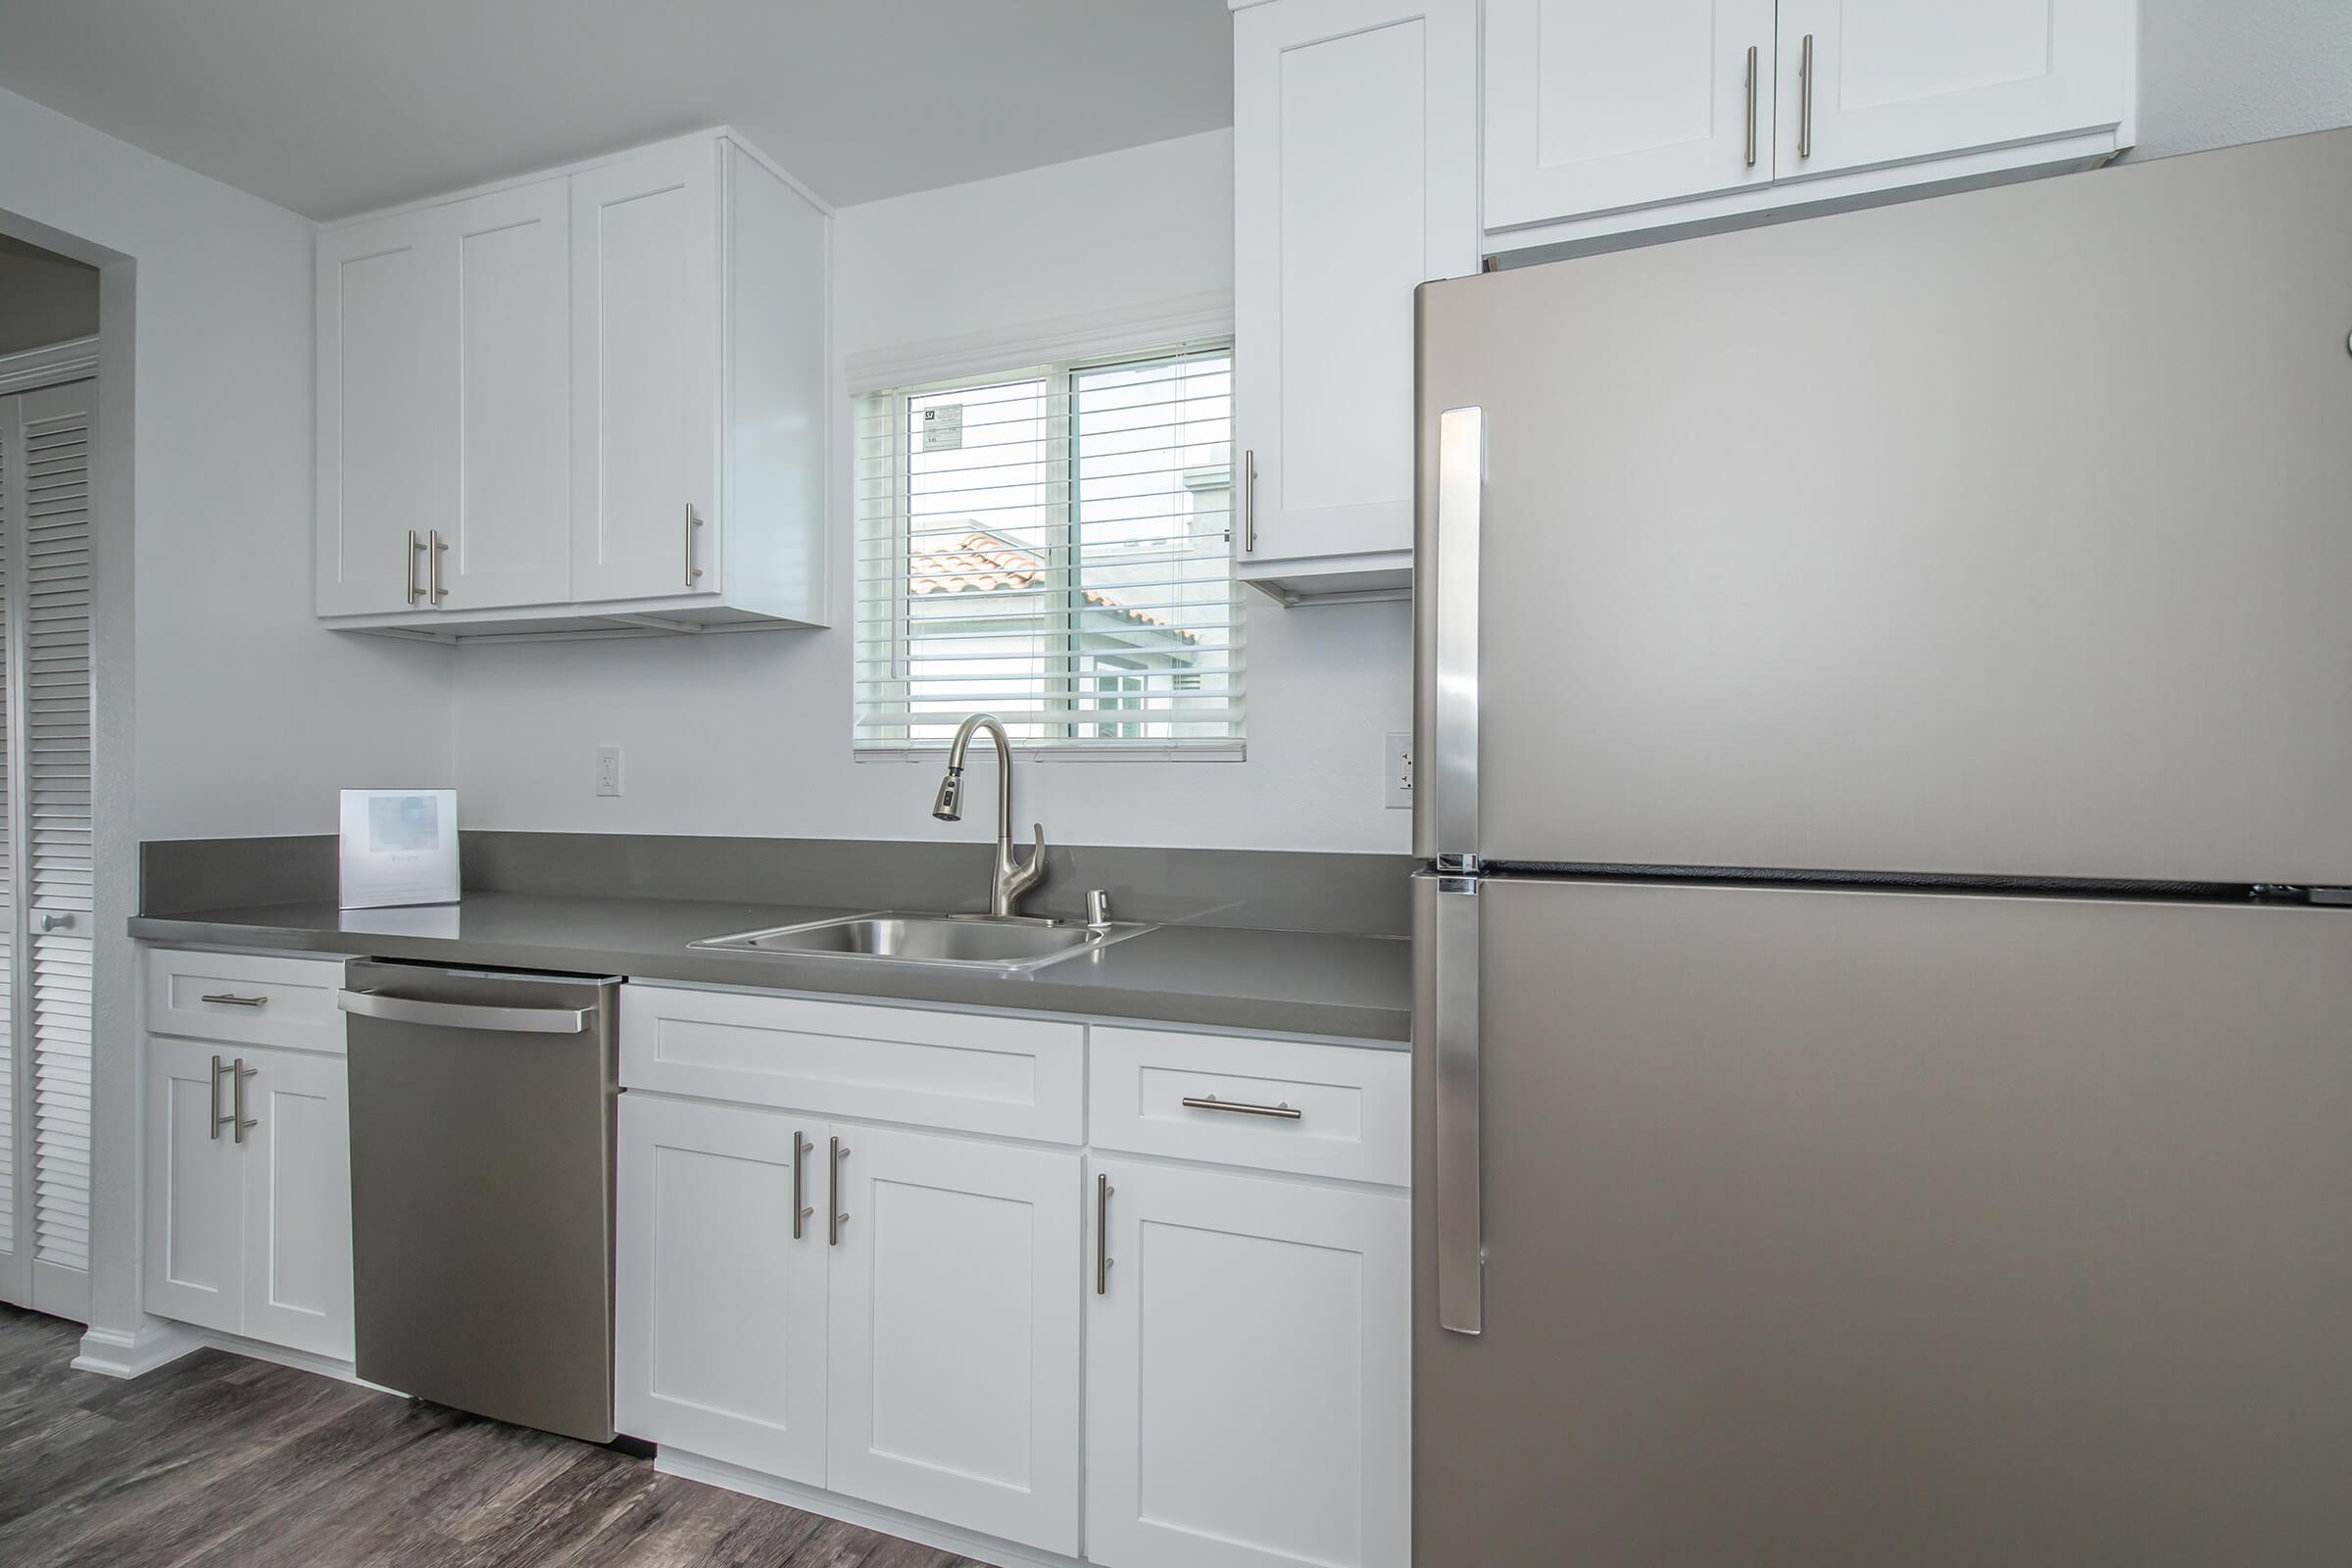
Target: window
<point x="1053" y="546"/>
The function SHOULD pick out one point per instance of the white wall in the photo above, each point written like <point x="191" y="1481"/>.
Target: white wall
<point x="250" y="717"/>
<point x="750" y="733"/>
<point x="222" y="708"/>
<point x="2217" y="73"/>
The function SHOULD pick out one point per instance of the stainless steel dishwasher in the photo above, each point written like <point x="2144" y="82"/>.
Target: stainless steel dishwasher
<point x="481" y="1190"/>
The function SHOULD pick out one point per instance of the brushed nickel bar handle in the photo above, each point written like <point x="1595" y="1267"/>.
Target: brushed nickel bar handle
<point x="218" y="1119"/>
<point x="1446" y="1017"/>
<point x="1804" y="99"/>
<point x="694" y="572"/>
<point x="229" y="999"/>
<point x="800" y="1159"/>
<point x="238" y="1074"/>
<point x="1242" y="1107"/>
<point x="465" y="1015"/>
<point x="1249" y="503"/>
<point x="432" y="567"/>
<point x="834" y="1218"/>
<point x="1446" y="783"/>
<point x="408" y="573"/>
<point x="1103" y="1259"/>
<point x="1751" y="106"/>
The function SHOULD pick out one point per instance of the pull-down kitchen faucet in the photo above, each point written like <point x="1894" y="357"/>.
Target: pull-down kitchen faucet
<point x="1011" y="878"/>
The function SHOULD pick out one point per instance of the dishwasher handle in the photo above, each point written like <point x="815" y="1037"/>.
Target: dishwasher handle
<point x="465" y="1015"/>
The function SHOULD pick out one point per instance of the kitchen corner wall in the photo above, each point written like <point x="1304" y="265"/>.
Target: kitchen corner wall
<point x="750" y="733"/>
<point x="249" y="717"/>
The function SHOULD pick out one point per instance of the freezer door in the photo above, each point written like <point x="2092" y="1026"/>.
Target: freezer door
<point x="1829" y="1227"/>
<point x="1999" y="533"/>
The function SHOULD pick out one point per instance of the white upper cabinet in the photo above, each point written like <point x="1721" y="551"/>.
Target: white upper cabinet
<point x="444" y="395"/>
<point x="1897" y="80"/>
<point x="646" y="333"/>
<point x="1594" y="106"/>
<point x="507" y="540"/>
<point x="1607" y="116"/>
<point x="384" y="457"/>
<point x="1354" y="181"/>
<point x="594" y="402"/>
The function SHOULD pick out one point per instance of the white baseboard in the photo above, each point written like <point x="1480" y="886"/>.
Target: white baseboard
<point x="848" y="1510"/>
<point x="116" y="1354"/>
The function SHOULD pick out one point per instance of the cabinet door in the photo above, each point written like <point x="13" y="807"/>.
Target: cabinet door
<point x="386" y="449"/>
<point x="1899" y="79"/>
<point x="1354" y="181"/>
<point x="645" y="375"/>
<point x="954" y="1333"/>
<point x="509" y="540"/>
<point x="721" y="1327"/>
<point x="194" y="1209"/>
<point x="1592" y="106"/>
<point x="1248" y="1374"/>
<point x="297" y="1198"/>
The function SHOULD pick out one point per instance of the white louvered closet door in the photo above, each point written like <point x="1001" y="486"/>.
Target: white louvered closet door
<point x="15" y="1187"/>
<point x="45" y="440"/>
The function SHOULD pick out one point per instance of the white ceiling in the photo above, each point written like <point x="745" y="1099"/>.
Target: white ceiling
<point x="333" y="107"/>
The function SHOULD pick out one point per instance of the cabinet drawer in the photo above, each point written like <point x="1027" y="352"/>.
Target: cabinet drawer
<point x="1019" y="1077"/>
<point x="245" y="998"/>
<point x="1353" y="1106"/>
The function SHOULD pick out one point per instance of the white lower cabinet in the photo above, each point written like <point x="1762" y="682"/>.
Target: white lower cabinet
<point x="916" y="1312"/>
<point x="916" y="1345"/>
<point x="248" y="1192"/>
<point x="722" y="1330"/>
<point x="954" y="1333"/>
<point x="1248" y="1366"/>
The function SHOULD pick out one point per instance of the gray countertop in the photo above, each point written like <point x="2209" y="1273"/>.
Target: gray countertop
<point x="1288" y="982"/>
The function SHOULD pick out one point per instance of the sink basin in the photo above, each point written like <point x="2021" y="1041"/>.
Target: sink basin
<point x="965" y="940"/>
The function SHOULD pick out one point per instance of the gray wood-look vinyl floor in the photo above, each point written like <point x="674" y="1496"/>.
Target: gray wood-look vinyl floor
<point x="216" y="1459"/>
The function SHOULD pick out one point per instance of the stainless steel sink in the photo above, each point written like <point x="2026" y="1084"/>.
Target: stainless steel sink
<point x="962" y="940"/>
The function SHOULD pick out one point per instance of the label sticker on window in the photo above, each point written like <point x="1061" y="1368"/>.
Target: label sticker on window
<point x="943" y="427"/>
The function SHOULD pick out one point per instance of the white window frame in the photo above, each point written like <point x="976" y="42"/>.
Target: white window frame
<point x="1067" y="343"/>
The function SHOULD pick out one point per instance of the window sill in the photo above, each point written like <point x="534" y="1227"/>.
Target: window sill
<point x="935" y="754"/>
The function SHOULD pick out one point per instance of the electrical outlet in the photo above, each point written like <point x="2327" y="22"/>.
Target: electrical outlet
<point x="607" y="770"/>
<point x="1397" y="770"/>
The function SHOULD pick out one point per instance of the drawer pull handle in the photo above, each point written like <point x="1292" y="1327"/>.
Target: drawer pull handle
<point x="1241" y="1107"/>
<point x="227" y="998"/>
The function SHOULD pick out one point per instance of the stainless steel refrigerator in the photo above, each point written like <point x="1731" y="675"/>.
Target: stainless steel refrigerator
<point x="1884" y="1032"/>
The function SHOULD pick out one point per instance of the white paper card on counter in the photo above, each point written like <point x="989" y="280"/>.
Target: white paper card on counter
<point x="399" y="847"/>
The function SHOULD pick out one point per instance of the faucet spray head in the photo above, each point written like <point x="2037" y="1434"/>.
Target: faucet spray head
<point x="948" y="807"/>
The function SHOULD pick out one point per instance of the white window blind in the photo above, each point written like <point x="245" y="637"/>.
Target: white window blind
<point x="1054" y="546"/>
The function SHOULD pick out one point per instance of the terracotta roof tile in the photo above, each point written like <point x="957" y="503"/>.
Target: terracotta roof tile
<point x="984" y="563"/>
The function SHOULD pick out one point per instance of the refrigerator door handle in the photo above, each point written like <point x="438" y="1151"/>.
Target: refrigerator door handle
<point x="1453" y="776"/>
<point x="1450" y="973"/>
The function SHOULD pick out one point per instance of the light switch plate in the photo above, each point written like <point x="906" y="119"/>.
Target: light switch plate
<point x="1397" y="770"/>
<point x="607" y="770"/>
